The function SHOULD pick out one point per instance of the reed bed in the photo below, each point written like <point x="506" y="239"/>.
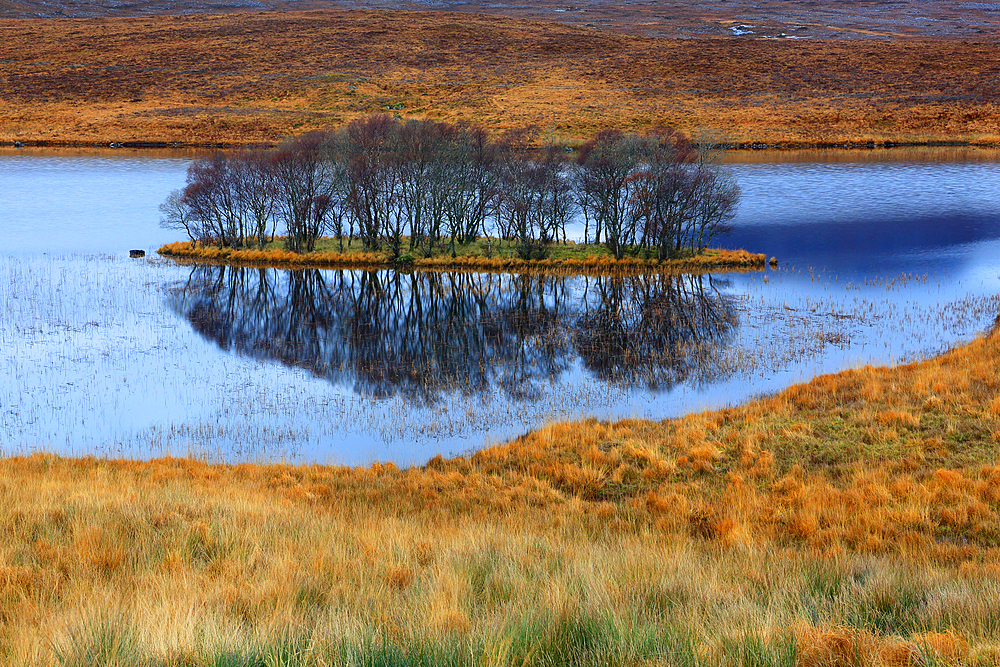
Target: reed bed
<point x="852" y="520"/>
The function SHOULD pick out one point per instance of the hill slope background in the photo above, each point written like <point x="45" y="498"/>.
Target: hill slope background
<point x="256" y="77"/>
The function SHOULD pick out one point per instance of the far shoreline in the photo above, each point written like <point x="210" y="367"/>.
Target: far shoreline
<point x="742" y="147"/>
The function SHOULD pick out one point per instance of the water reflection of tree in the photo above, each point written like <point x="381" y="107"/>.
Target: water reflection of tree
<point x="427" y="334"/>
<point x="655" y="331"/>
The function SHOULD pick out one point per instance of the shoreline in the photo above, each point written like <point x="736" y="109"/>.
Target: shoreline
<point x="749" y="146"/>
<point x="986" y="342"/>
<point x="710" y="260"/>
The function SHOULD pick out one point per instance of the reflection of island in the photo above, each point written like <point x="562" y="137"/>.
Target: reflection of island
<point x="424" y="334"/>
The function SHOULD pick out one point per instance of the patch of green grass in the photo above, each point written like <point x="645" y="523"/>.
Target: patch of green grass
<point x="552" y="640"/>
<point x="754" y="651"/>
<point x="890" y="610"/>
<point x="102" y="642"/>
<point x="481" y="247"/>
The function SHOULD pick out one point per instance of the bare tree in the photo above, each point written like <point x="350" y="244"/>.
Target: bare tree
<point x="718" y="199"/>
<point x="423" y="166"/>
<point x="211" y="200"/>
<point x="556" y="201"/>
<point x="687" y="200"/>
<point x="608" y="184"/>
<point x="372" y="179"/>
<point x="477" y="184"/>
<point x="523" y="187"/>
<point x="303" y="190"/>
<point x="253" y="176"/>
<point x="177" y="214"/>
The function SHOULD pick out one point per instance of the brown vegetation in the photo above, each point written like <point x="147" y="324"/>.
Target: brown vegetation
<point x="259" y="77"/>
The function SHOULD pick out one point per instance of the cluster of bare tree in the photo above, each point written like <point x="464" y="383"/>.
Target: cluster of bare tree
<point x="380" y="181"/>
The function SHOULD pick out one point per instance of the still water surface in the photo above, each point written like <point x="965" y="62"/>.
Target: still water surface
<point x="884" y="256"/>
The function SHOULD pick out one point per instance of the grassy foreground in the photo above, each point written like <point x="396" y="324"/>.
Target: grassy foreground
<point x="479" y="255"/>
<point x="852" y="520"/>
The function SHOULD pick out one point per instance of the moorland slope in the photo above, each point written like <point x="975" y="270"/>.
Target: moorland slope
<point x="253" y="77"/>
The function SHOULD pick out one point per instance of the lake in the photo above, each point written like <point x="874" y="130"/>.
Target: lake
<point x="885" y="256"/>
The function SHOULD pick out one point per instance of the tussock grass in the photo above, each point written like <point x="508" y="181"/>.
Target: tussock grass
<point x="571" y="258"/>
<point x="852" y="520"/>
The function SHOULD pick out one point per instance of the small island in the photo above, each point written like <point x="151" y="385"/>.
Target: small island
<point x="419" y="194"/>
<point x="480" y="255"/>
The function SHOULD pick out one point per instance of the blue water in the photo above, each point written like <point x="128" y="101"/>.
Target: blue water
<point x="884" y="257"/>
<point x="80" y="201"/>
<point x="870" y="217"/>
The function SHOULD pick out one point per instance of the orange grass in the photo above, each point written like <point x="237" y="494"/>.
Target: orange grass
<point x="710" y="260"/>
<point x="854" y="517"/>
<point x="258" y="77"/>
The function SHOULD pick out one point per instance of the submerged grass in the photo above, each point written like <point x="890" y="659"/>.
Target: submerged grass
<point x="852" y="520"/>
<point x="564" y="257"/>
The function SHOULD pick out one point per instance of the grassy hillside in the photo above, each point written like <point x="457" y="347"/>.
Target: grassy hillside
<point x="258" y="77"/>
<point x="852" y="520"/>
